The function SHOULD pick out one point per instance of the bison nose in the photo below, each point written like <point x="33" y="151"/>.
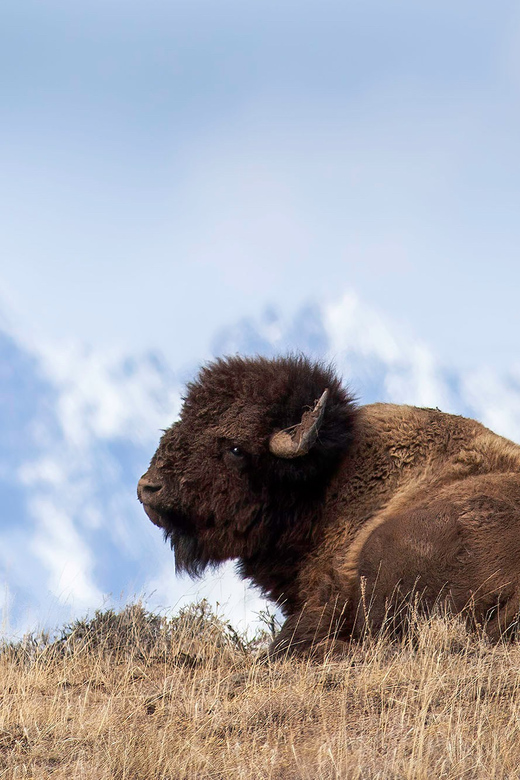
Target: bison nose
<point x="146" y="489"/>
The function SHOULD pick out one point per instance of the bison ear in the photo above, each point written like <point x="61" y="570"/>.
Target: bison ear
<point x="298" y="439"/>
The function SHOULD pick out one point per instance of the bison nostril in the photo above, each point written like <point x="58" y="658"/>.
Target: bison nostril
<point x="146" y="488"/>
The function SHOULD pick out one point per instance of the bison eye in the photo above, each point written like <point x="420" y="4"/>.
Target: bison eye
<point x="235" y="456"/>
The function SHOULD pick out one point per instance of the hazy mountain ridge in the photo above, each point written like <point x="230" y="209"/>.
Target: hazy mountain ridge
<point x="79" y="428"/>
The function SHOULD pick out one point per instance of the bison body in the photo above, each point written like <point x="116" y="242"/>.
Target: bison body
<point x="341" y="514"/>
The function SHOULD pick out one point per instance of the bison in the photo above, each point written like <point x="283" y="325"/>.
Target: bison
<point x="337" y="512"/>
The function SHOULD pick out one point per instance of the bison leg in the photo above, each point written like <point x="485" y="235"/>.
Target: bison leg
<point x="503" y="619"/>
<point x="462" y="549"/>
<point x="314" y="632"/>
<point x="407" y="563"/>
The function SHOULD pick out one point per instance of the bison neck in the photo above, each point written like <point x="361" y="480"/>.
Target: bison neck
<point x="284" y="542"/>
<point x="277" y="582"/>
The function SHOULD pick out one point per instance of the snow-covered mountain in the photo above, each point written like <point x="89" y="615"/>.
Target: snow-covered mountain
<point x="79" y="428"/>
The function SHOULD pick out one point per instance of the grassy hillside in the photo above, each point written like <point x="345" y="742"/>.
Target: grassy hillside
<point x="135" y="696"/>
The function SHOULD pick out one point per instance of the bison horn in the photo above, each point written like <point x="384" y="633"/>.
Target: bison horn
<point x="298" y="439"/>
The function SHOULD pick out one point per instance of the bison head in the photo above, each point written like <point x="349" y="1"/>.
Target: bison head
<point x="246" y="464"/>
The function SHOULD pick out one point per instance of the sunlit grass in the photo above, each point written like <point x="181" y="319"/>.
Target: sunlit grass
<point x="136" y="696"/>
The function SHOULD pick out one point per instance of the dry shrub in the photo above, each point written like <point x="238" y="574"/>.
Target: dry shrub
<point x="137" y="696"/>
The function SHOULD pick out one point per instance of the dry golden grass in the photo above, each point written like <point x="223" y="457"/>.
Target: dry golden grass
<point x="133" y="697"/>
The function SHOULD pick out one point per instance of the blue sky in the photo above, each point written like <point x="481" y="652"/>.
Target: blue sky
<point x="171" y="166"/>
<point x="182" y="179"/>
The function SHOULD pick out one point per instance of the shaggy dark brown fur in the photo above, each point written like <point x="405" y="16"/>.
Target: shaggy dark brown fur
<point x="389" y="501"/>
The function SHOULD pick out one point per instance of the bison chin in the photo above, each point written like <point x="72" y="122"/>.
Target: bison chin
<point x="189" y="553"/>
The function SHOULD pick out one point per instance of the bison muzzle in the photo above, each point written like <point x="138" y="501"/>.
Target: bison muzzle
<point x="339" y="513"/>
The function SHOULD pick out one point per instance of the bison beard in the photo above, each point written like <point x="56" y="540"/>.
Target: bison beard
<point x="189" y="553"/>
<point x="188" y="547"/>
<point x="328" y="507"/>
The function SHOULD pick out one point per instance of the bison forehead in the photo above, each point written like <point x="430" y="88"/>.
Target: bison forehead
<point x="242" y="422"/>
